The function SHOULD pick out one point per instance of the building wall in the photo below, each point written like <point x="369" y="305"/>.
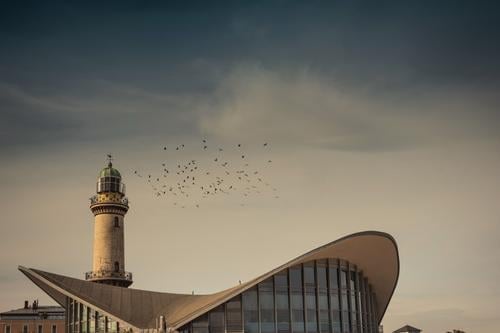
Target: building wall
<point x="17" y="325"/>
<point x="108" y="243"/>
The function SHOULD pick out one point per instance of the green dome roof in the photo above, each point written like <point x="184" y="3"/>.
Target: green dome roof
<point x="109" y="171"/>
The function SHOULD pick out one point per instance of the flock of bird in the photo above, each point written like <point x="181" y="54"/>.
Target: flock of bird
<point x="187" y="182"/>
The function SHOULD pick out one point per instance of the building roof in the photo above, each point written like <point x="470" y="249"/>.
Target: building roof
<point x="407" y="329"/>
<point x="109" y="171"/>
<point x="374" y="253"/>
<point x="36" y="311"/>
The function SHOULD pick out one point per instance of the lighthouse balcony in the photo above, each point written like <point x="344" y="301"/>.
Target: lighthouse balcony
<point x="105" y="275"/>
<point x="101" y="199"/>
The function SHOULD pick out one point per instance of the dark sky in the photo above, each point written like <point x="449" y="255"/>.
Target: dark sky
<point x="56" y="54"/>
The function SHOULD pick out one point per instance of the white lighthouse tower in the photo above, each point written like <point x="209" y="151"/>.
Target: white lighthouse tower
<point x="109" y="207"/>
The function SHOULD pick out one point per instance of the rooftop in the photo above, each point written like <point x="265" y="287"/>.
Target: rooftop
<point x="408" y="329"/>
<point x="39" y="311"/>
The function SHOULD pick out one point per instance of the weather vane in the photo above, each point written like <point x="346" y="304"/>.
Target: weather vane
<point x="110" y="159"/>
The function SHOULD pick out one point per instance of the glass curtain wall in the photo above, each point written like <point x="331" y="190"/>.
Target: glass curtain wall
<point x="322" y="296"/>
<point x="84" y="319"/>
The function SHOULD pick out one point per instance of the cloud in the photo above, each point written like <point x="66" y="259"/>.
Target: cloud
<point x="98" y="110"/>
<point x="26" y="118"/>
<point x="296" y="107"/>
<point x="303" y="107"/>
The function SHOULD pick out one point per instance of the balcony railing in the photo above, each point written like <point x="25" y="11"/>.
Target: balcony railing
<point x="95" y="200"/>
<point x="94" y="275"/>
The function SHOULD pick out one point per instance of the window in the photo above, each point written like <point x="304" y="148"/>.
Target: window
<point x="7" y="328"/>
<point x="92" y="320"/>
<point x="323" y="311"/>
<point x="200" y="324"/>
<point x="233" y="315"/>
<point x="84" y="319"/>
<point x="117" y="222"/>
<point x="266" y="302"/>
<point x="40" y="329"/>
<point x="25" y="328"/>
<point x="251" y="311"/>
<point x="353" y="305"/>
<point x="282" y="306"/>
<point x="216" y="320"/>
<point x="101" y="322"/>
<point x="296" y="299"/>
<point x="321" y="274"/>
<point x="117" y="266"/>
<point x="310" y="297"/>
<point x="333" y="279"/>
<point x="76" y="313"/>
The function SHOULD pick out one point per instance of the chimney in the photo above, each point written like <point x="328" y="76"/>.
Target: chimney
<point x="26" y="305"/>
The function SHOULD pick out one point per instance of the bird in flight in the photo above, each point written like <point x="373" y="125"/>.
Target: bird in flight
<point x="197" y="179"/>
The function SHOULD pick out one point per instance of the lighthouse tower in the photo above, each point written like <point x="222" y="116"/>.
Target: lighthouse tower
<point x="109" y="207"/>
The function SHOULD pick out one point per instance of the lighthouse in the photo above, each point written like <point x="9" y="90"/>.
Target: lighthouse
<point x="109" y="206"/>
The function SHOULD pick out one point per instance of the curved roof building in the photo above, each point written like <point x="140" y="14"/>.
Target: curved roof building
<point x="343" y="286"/>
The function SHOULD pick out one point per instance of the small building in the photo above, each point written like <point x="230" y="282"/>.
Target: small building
<point x="408" y="329"/>
<point x="33" y="318"/>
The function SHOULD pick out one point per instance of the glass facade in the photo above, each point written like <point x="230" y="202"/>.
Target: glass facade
<point x="321" y="296"/>
<point x="83" y="319"/>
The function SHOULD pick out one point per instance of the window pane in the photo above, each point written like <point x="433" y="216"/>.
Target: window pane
<point x="233" y="313"/>
<point x="91" y="321"/>
<point x="297" y="312"/>
<point x="101" y="322"/>
<point x="297" y="300"/>
<point x="324" y="318"/>
<point x="312" y="325"/>
<point x="309" y="274"/>
<point x="250" y="309"/>
<point x="282" y="306"/>
<point x="200" y="324"/>
<point x="296" y="278"/>
<point x="266" y="301"/>
<point x="281" y="280"/>
<point x="84" y="319"/>
<point x="345" y="310"/>
<point x="333" y="275"/>
<point x="321" y="272"/>
<point x="216" y="320"/>
<point x="343" y="278"/>
<point x="335" y="310"/>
